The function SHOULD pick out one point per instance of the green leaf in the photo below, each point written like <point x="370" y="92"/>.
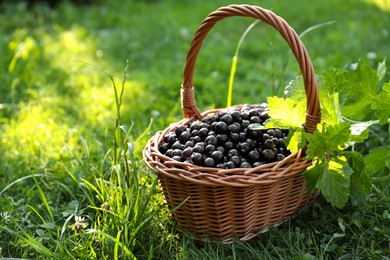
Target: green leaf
<point x="361" y="183"/>
<point x="377" y="160"/>
<point x="296" y="139"/>
<point x="329" y="139"/>
<point x="364" y="83"/>
<point x="381" y="104"/>
<point x="312" y="175"/>
<point x="330" y="108"/>
<point x="285" y="112"/>
<point x="335" y="82"/>
<point x="359" y="131"/>
<point x="334" y="182"/>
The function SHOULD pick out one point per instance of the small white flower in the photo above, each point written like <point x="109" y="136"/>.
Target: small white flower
<point x="6" y="216"/>
<point x="79" y="223"/>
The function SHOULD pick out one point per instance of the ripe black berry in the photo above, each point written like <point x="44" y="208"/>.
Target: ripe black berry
<point x="211" y="139"/>
<point x="194" y="126"/>
<point x="210" y="149"/>
<point x="203" y="132"/>
<point x="236" y="115"/>
<point x="177" y="152"/>
<point x="198" y="149"/>
<point x="180" y="129"/>
<point x="245" y="124"/>
<point x="243" y="148"/>
<point x="230" y="165"/>
<point x="245" y="165"/>
<point x="268" y="144"/>
<point x="217" y="156"/>
<point x="209" y="162"/>
<point x="280" y="157"/>
<point x="268" y="154"/>
<point x="255" y="120"/>
<point x="222" y="138"/>
<point x="197" y="158"/>
<point x="228" y="146"/>
<point x="233" y="152"/>
<point x="184" y="137"/>
<point x="221" y="128"/>
<point x="228" y="119"/>
<point x="187" y="152"/>
<point x="177" y="158"/>
<point x="234" y="137"/>
<point x="256" y="164"/>
<point x="271" y="132"/>
<point x="254" y="156"/>
<point x="163" y="148"/>
<point x="236" y="160"/>
<point x="234" y="128"/>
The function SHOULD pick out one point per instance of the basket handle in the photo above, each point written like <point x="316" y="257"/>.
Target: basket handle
<point x="188" y="102"/>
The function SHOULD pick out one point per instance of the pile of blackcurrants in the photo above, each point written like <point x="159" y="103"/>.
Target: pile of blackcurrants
<point x="231" y="138"/>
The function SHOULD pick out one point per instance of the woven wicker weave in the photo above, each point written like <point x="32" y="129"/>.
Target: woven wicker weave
<point x="225" y="203"/>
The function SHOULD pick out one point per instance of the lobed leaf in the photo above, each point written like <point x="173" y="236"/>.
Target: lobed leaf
<point x="361" y="182"/>
<point x="364" y="83"/>
<point x="296" y="139"/>
<point x="285" y="113"/>
<point x="328" y="140"/>
<point x="334" y="182"/>
<point x="381" y="104"/>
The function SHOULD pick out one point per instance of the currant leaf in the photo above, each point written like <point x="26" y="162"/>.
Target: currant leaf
<point x="381" y="104"/>
<point x="312" y="175"/>
<point x="364" y="83"/>
<point x="327" y="139"/>
<point x="334" y="182"/>
<point x="296" y="139"/>
<point x="285" y="113"/>
<point x="360" y="180"/>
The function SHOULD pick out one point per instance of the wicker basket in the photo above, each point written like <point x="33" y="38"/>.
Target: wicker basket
<point x="225" y="203"/>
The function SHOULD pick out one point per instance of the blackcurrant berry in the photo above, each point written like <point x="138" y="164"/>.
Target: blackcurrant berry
<point x="221" y="128"/>
<point x="234" y="128"/>
<point x="184" y="137"/>
<point x="209" y="162"/>
<point x="268" y="154"/>
<point x="163" y="148"/>
<point x="203" y="132"/>
<point x="228" y="119"/>
<point x="211" y="139"/>
<point x="177" y="158"/>
<point x="210" y="149"/>
<point x="236" y="160"/>
<point x="236" y="115"/>
<point x="197" y="158"/>
<point x="187" y="152"/>
<point x="228" y="145"/>
<point x="180" y="129"/>
<point x="280" y="157"/>
<point x="222" y="138"/>
<point x="268" y="144"/>
<point x="233" y="152"/>
<point x="245" y="165"/>
<point x="254" y="156"/>
<point x="217" y="156"/>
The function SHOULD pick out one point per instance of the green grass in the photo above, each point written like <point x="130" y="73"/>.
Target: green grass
<point x="65" y="155"/>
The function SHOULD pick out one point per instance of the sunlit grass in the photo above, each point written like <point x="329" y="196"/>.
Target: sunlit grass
<point x="383" y="4"/>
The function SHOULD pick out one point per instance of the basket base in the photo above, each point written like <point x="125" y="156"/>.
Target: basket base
<point x="222" y="214"/>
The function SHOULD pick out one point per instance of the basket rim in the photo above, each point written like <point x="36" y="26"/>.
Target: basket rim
<point x="165" y="166"/>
